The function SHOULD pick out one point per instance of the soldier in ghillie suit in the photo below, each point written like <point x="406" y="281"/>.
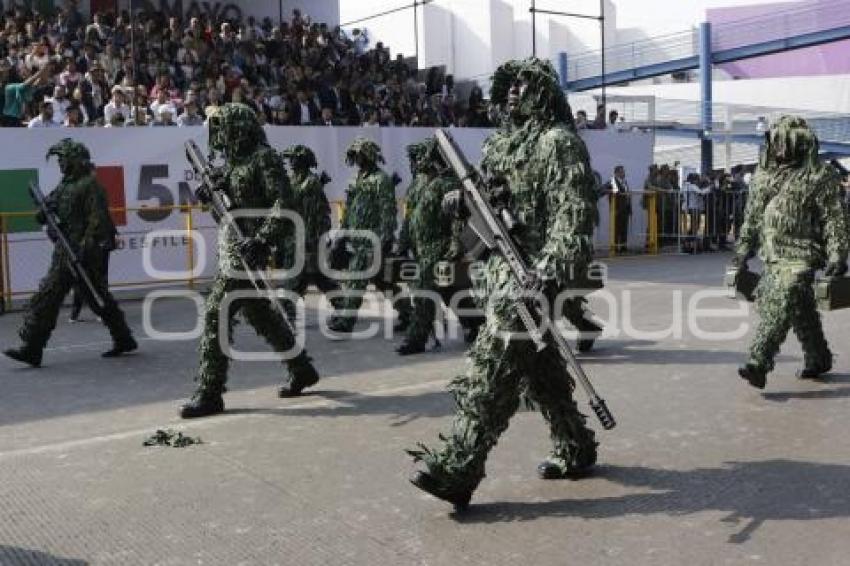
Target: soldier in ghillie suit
<point x="311" y="203"/>
<point x="543" y="173"/>
<point x="254" y="177"/>
<point x="795" y="221"/>
<point x="432" y="237"/>
<point x="81" y="205"/>
<point x="370" y="205"/>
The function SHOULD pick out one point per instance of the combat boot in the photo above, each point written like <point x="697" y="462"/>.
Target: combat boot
<point x="754" y="375"/>
<point x="407" y="348"/>
<point x="25" y="355"/>
<point x="815" y="370"/>
<point x="302" y="375"/>
<point x="579" y="464"/>
<point x="202" y="405"/>
<point x="459" y="497"/>
<point x="120" y="347"/>
<point x="341" y="325"/>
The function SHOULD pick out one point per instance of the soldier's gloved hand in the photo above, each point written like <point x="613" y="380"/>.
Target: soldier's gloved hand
<point x="452" y="204"/>
<point x="338" y="245"/>
<point x="255" y="252"/>
<point x="204" y="194"/>
<point x="498" y="191"/>
<point x="835" y="269"/>
<point x="740" y="260"/>
<point x="52" y="235"/>
<point x="536" y="282"/>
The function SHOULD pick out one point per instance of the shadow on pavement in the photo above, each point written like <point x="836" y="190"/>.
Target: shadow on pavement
<point x="403" y="408"/>
<point x="616" y="352"/>
<point x="751" y="493"/>
<point x="14" y="555"/>
<point x="816" y="394"/>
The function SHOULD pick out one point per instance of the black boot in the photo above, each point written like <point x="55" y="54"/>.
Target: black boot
<point x="549" y="470"/>
<point x="301" y="376"/>
<point x="814" y="370"/>
<point x="755" y="376"/>
<point x="122" y="347"/>
<point x="202" y="406"/>
<point x="457" y="497"/>
<point x="471" y="334"/>
<point x="585" y="345"/>
<point x="25" y="356"/>
<point x="341" y="325"/>
<point x="407" y="348"/>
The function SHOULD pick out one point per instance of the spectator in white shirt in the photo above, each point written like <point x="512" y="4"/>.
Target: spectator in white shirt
<point x="162" y="101"/>
<point x="116" y="107"/>
<point x="60" y="103"/>
<point x="73" y="117"/>
<point x="165" y="116"/>
<point x="190" y="116"/>
<point x="45" y="119"/>
<point x="693" y="205"/>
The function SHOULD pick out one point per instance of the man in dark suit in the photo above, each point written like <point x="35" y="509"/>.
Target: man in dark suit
<point x="328" y="118"/>
<point x="620" y="202"/>
<point x="305" y="112"/>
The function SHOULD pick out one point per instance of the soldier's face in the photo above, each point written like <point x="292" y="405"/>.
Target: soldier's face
<point x="515" y="96"/>
<point x="64" y="165"/>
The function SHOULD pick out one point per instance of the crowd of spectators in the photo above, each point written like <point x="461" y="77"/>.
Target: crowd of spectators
<point x="58" y="69"/>
<point x="700" y="212"/>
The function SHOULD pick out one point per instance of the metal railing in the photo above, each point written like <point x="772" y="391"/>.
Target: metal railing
<point x="780" y="23"/>
<point x="660" y="221"/>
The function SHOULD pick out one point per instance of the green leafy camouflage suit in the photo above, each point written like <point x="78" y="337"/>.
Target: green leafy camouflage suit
<point x="370" y="205"/>
<point x="81" y="205"/>
<point x="539" y="157"/>
<point x="312" y="205"/>
<point x="254" y="177"/>
<point x="428" y="233"/>
<point x="796" y="222"/>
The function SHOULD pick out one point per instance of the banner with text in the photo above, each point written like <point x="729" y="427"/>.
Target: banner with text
<point x="148" y="179"/>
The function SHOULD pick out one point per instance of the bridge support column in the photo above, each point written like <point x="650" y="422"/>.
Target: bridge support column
<point x="562" y="69"/>
<point x="705" y="60"/>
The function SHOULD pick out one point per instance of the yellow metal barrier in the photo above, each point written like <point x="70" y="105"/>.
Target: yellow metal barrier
<point x="612" y="226"/>
<point x="6" y="267"/>
<point x="5" y="271"/>
<point x="653" y="243"/>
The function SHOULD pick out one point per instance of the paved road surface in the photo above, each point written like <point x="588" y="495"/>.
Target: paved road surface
<point x="702" y="469"/>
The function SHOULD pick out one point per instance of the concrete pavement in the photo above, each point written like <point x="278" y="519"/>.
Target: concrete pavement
<point x="701" y="470"/>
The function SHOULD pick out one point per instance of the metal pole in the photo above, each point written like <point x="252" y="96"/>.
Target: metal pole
<point x="563" y="69"/>
<point x="533" y="29"/>
<point x="602" y="41"/>
<point x="280" y="13"/>
<point x="416" y="31"/>
<point x="706" y="145"/>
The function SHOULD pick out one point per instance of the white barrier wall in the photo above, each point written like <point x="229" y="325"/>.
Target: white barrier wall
<point x="149" y="168"/>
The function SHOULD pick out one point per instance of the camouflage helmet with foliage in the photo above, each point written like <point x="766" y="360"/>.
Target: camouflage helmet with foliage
<point x="364" y="148"/>
<point x="415" y="154"/>
<point x="73" y="154"/>
<point x="235" y="130"/>
<point x="425" y="156"/>
<point x="300" y="157"/>
<point x="543" y="98"/>
<point x="790" y="141"/>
